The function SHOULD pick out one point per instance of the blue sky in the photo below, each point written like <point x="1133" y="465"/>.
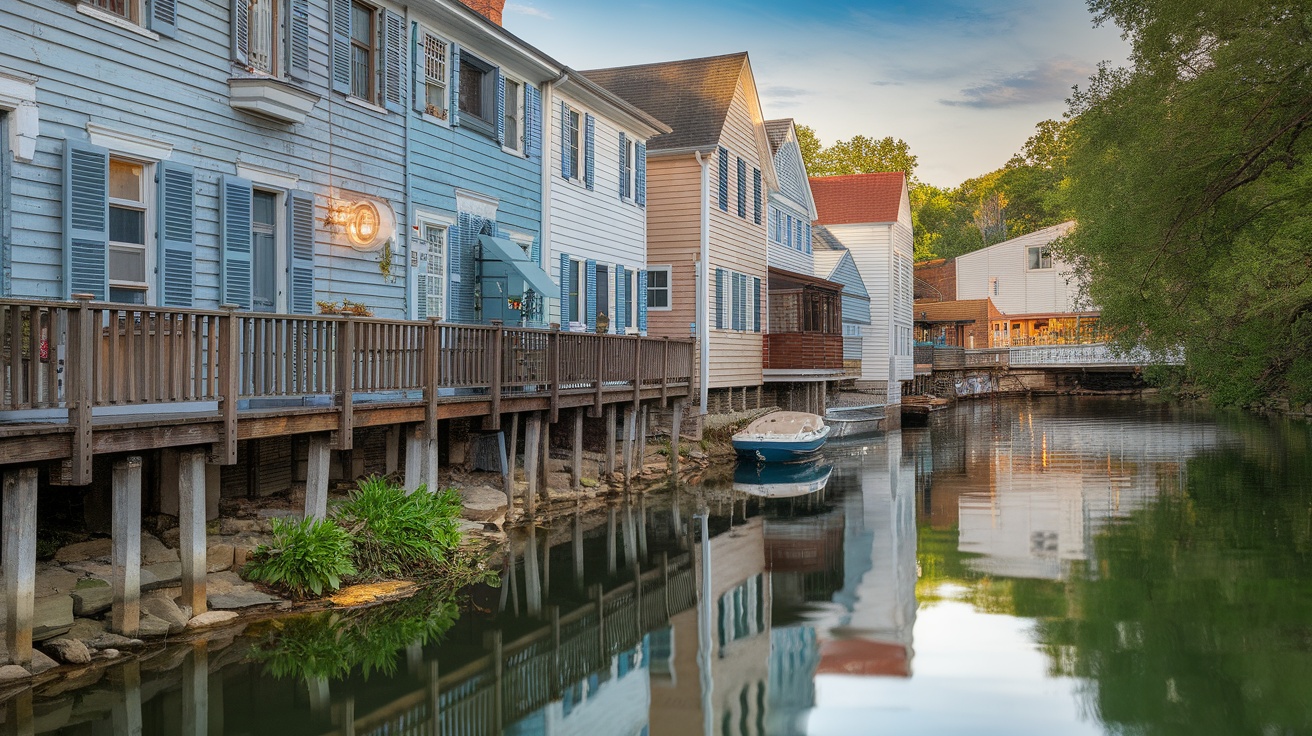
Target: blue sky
<point x="962" y="82"/>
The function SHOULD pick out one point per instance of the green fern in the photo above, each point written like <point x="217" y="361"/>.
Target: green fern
<point x="305" y="557"/>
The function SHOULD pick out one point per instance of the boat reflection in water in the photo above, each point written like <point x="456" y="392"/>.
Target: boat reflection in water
<point x="781" y="480"/>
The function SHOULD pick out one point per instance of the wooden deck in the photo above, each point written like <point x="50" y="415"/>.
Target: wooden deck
<point x="83" y="378"/>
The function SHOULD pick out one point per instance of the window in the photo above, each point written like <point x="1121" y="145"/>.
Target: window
<point x="736" y="296"/>
<point x="742" y="188"/>
<point x="514" y="117"/>
<point x="724" y="179"/>
<point x="627" y="185"/>
<point x="658" y="288"/>
<point x="261" y="53"/>
<point x="573" y="138"/>
<point x="264" y="251"/>
<point x="1040" y="258"/>
<point x="126" y="9"/>
<point x="363" y="55"/>
<point x="576" y="306"/>
<point x="432" y="272"/>
<point x="993" y="286"/>
<point x="478" y="95"/>
<point x="435" y="76"/>
<point x="128" y="221"/>
<point x="631" y="301"/>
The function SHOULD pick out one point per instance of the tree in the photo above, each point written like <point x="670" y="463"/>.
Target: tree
<point x="862" y="155"/>
<point x="811" y="147"/>
<point x="1188" y="175"/>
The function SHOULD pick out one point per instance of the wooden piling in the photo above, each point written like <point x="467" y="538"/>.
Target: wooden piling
<point x="544" y="460"/>
<point x="577" y="470"/>
<point x="532" y="437"/>
<point x="630" y="420"/>
<point x="19" y="561"/>
<point x="676" y="421"/>
<point x="416" y="448"/>
<point x="191" y="526"/>
<point x="512" y="454"/>
<point x="125" y="572"/>
<point x="609" y="418"/>
<point x="316" y="476"/>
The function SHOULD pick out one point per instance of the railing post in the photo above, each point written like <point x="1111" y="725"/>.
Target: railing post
<point x="665" y="371"/>
<point x="498" y="336"/>
<point x="229" y="375"/>
<point x="80" y="388"/>
<point x="345" y="437"/>
<point x="432" y="380"/>
<point x="600" y="342"/>
<point x="637" y="370"/>
<point x="553" y="370"/>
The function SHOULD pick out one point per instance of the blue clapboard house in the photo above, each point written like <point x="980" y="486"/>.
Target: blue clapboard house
<point x="276" y="155"/>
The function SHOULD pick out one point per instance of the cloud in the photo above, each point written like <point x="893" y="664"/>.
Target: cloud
<point x="528" y="10"/>
<point x="784" y="92"/>
<point x="1045" y="83"/>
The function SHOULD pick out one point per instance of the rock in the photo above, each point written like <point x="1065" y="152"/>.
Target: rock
<point x="84" y="551"/>
<point x="91" y="596"/>
<point x="171" y="537"/>
<point x="218" y="557"/>
<point x="71" y="651"/>
<point x="110" y="640"/>
<point x="51" y="616"/>
<point x="86" y="629"/>
<point x="222" y="582"/>
<point x="53" y="579"/>
<point x="41" y="663"/>
<point x="164" y="574"/>
<point x="697" y="455"/>
<point x="11" y="672"/>
<point x="110" y="653"/>
<point x="90" y="569"/>
<point x="229" y="527"/>
<point x="154" y="552"/>
<point x="465" y="526"/>
<point x="211" y="618"/>
<point x="161" y="606"/>
<point x="483" y="503"/>
<point x="241" y="552"/>
<point x="243" y="596"/>
<point x="152" y="626"/>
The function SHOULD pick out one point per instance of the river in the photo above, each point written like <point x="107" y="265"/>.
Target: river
<point x="1051" y="566"/>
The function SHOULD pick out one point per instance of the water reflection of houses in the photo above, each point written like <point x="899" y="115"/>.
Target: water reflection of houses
<point x="1050" y="483"/>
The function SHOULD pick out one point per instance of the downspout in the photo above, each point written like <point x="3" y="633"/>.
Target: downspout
<point x="703" y="283"/>
<point x="411" y="222"/>
<point x="544" y="157"/>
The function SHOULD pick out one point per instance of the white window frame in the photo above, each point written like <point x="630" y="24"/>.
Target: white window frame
<point x="631" y="161"/>
<point x="748" y="303"/>
<point x="147" y="207"/>
<point x="423" y="221"/>
<point x="669" y="288"/>
<point x="374" y="95"/>
<point x="577" y="144"/>
<point x="631" y="296"/>
<point x="517" y="106"/>
<point x="277" y="41"/>
<point x="136" y="16"/>
<point x="580" y="306"/>
<point x="476" y="121"/>
<point x="279" y="241"/>
<point x="444" y="119"/>
<point x="1042" y="251"/>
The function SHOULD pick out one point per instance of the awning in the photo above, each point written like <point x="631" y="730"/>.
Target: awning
<point x="506" y="251"/>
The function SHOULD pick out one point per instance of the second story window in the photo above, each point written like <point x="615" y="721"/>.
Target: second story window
<point x="1040" y="258"/>
<point x="128" y="222"/>
<point x="144" y="17"/>
<point x="573" y="136"/>
<point x="363" y="69"/>
<point x="435" y="76"/>
<point x="263" y="42"/>
<point x="478" y="95"/>
<point x="514" y="115"/>
<point x="126" y="9"/>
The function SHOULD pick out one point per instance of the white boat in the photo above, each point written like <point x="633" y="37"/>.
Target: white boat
<point x="854" y="421"/>
<point x="782" y="436"/>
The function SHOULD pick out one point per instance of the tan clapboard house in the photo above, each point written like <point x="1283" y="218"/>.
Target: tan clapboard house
<point x="707" y="186"/>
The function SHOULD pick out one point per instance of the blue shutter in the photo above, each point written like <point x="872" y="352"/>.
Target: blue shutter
<point x="589" y="150"/>
<point x="300" y="253"/>
<point x="565" y="315"/>
<point x="341" y="54"/>
<point x="742" y="188"/>
<point x="756" y="299"/>
<point x="591" y="301"/>
<point x="808" y="237"/>
<point x="241" y="30"/>
<point x="163" y="16"/>
<point x="235" y="239"/>
<point x="418" y="96"/>
<point x="501" y="106"/>
<point x="298" y="51"/>
<point x="624" y="166"/>
<point x="621" y="299"/>
<point x="739" y="302"/>
<point x="719" y="299"/>
<point x="564" y="141"/>
<point x="640" y="177"/>
<point x="756" y="196"/>
<point x="535" y="252"/>
<point x="394" y="87"/>
<point x="642" y="302"/>
<point x="177" y="234"/>
<point x="724" y="179"/>
<point x="532" y="122"/>
<point x="453" y="112"/>
<point x="86" y="220"/>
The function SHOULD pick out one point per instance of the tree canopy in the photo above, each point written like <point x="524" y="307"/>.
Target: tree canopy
<point x="1187" y="173"/>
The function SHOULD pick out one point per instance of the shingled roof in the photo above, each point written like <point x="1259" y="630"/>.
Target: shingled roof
<point x="692" y="96"/>
<point x="777" y="131"/>
<point x="858" y="198"/>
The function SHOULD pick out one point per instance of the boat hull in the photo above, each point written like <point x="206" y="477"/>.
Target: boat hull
<point x="778" y="451"/>
<point x="854" y="423"/>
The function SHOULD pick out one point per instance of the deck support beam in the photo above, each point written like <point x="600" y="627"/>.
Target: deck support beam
<point x="316" y="477"/>
<point x="609" y="419"/>
<point x="676" y="422"/>
<point x="416" y="448"/>
<point x="577" y="470"/>
<point x="642" y="439"/>
<point x="532" y="437"/>
<point x="19" y="555"/>
<point x="544" y="460"/>
<point x="512" y="454"/>
<point x="191" y="527"/>
<point x="125" y="613"/>
<point x="630" y="429"/>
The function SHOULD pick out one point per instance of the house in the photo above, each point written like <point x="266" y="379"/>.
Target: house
<point x="965" y="323"/>
<point x="707" y="181"/>
<point x="834" y="263"/>
<point x="596" y="221"/>
<point x="1038" y="293"/>
<point x="870" y="216"/>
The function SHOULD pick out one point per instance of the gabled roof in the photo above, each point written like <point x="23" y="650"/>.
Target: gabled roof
<point x="823" y="240"/>
<point x="692" y="96"/>
<point x="829" y="264"/>
<point x="858" y="198"/>
<point x="777" y="131"/>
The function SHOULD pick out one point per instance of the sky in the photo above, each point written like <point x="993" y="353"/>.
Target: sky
<point x="963" y="82"/>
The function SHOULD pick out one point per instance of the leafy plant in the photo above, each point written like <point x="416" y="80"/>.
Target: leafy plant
<point x="307" y="556"/>
<point x="396" y="532"/>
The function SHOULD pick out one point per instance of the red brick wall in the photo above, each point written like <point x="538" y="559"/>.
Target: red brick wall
<point x="936" y="281"/>
<point x="490" y="9"/>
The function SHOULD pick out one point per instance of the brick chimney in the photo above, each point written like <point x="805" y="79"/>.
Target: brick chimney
<point x="490" y="9"/>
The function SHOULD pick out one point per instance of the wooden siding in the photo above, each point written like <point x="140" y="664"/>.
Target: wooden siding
<point x="1020" y="290"/>
<point x="175" y="90"/>
<point x="595" y="224"/>
<point x="674" y="238"/>
<point x="782" y="256"/>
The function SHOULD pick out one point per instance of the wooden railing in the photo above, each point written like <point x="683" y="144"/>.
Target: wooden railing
<point x="804" y="351"/>
<point x="949" y="358"/>
<point x="78" y="356"/>
<point x="987" y="358"/>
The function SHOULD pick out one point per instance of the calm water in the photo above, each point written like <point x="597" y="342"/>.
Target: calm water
<point x="1045" y="567"/>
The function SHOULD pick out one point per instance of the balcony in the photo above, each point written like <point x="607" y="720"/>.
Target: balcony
<point x="271" y="98"/>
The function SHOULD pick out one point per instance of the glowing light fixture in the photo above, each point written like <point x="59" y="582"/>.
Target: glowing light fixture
<point x="367" y="225"/>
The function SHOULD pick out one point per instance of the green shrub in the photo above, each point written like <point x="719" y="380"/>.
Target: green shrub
<point x="398" y="533"/>
<point x="307" y="556"/>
